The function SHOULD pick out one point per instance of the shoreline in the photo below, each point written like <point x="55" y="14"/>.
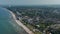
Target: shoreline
<point x="21" y="24"/>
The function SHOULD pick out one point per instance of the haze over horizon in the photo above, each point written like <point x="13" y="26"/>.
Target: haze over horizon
<point x="29" y="2"/>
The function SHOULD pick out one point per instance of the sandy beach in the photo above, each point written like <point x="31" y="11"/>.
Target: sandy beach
<point x="21" y="24"/>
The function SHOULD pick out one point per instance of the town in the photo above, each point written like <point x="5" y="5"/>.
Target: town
<point x="39" y="20"/>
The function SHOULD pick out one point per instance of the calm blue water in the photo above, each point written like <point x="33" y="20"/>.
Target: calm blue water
<point x="8" y="25"/>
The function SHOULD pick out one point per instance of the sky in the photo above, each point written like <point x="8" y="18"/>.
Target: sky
<point x="29" y="2"/>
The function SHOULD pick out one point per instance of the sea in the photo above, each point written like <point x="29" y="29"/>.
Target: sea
<point x="8" y="25"/>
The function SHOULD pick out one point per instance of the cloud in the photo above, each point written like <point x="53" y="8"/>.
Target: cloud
<point x="28" y="2"/>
